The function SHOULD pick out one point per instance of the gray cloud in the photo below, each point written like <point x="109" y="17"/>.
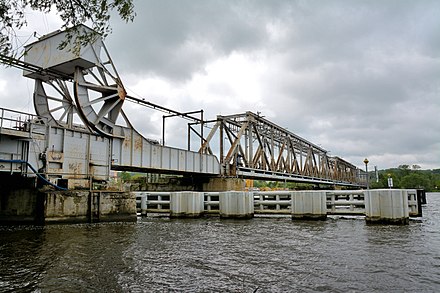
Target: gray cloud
<point x="175" y="38"/>
<point x="361" y="78"/>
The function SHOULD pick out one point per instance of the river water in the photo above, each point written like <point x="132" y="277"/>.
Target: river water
<point x="213" y="255"/>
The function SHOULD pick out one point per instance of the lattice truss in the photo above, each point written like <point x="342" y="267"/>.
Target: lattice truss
<point x="249" y="142"/>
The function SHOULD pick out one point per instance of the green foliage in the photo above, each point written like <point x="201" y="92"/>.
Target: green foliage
<point x="415" y="180"/>
<point x="404" y="169"/>
<point x="72" y="13"/>
<point x="12" y="17"/>
<point x="125" y="176"/>
<point x="282" y="185"/>
<point x="406" y="177"/>
<point x="130" y="176"/>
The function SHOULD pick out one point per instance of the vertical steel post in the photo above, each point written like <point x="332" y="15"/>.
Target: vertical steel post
<point x="189" y="137"/>
<point x="251" y="151"/>
<point x="201" y="128"/>
<point x="163" y="130"/>
<point x="222" y="159"/>
<point x="366" y="170"/>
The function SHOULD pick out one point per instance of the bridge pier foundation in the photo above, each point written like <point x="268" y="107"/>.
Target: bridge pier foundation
<point x="186" y="204"/>
<point x="224" y="184"/>
<point x="24" y="204"/>
<point x="81" y="206"/>
<point x="236" y="204"/>
<point x="309" y="205"/>
<point x="387" y="206"/>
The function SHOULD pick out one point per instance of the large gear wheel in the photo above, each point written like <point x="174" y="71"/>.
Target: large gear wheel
<point x="99" y="102"/>
<point x="53" y="100"/>
<point x="92" y="97"/>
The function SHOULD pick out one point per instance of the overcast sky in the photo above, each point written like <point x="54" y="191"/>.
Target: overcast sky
<point x="359" y="78"/>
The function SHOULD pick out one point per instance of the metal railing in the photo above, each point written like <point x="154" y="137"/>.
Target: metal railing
<point x="21" y="122"/>
<point x="342" y="202"/>
<point x="413" y="203"/>
<point x="272" y="202"/>
<point x="348" y="202"/>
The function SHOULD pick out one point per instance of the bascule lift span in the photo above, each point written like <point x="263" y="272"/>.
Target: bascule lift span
<point x="80" y="131"/>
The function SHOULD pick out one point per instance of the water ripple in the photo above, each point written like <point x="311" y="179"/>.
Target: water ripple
<point x="213" y="255"/>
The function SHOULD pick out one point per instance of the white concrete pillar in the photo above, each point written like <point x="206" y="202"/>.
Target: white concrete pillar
<point x="186" y="204"/>
<point x="388" y="206"/>
<point x="236" y="204"/>
<point x="309" y="205"/>
<point x="144" y="205"/>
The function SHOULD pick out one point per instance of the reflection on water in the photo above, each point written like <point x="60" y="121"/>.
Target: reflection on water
<point x="213" y="255"/>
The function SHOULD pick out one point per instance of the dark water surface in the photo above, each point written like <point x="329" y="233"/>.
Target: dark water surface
<point x="213" y="255"/>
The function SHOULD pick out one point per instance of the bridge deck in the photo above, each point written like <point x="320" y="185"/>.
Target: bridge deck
<point x="255" y="152"/>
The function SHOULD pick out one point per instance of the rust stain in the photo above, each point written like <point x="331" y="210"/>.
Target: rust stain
<point x="75" y="169"/>
<point x="138" y="143"/>
<point x="55" y="156"/>
<point x="127" y="141"/>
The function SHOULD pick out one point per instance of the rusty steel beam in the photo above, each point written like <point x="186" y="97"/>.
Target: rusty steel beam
<point x="259" y="148"/>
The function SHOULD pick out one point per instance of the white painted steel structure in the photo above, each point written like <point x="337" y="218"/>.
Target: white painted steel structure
<point x="84" y="87"/>
<point x="131" y="151"/>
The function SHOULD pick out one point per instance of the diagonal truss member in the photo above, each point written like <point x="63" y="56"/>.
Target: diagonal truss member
<point x="253" y="147"/>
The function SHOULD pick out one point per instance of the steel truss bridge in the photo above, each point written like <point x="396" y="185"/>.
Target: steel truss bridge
<point x="253" y="147"/>
<point x="80" y="131"/>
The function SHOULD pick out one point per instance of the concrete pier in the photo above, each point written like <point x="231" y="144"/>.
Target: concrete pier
<point x="30" y="206"/>
<point x="387" y="206"/>
<point x="186" y="204"/>
<point x="89" y="206"/>
<point x="144" y="206"/>
<point x="309" y="205"/>
<point x="224" y="184"/>
<point x="236" y="204"/>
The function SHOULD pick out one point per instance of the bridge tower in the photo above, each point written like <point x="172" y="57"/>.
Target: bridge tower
<point x="79" y="96"/>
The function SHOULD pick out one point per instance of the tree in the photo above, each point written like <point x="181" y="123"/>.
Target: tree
<point x="125" y="176"/>
<point x="72" y="13"/>
<point x="416" y="167"/>
<point x="404" y="169"/>
<point x="415" y="180"/>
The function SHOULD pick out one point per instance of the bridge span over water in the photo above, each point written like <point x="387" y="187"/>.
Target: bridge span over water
<point x="80" y="131"/>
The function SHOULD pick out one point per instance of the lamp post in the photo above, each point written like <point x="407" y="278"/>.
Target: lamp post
<point x="366" y="170"/>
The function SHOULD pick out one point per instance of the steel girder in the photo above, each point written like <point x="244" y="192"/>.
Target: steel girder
<point x="253" y="147"/>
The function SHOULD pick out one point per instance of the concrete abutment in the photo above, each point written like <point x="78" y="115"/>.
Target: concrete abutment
<point x="30" y="206"/>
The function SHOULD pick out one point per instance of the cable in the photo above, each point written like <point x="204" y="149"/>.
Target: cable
<point x="33" y="170"/>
